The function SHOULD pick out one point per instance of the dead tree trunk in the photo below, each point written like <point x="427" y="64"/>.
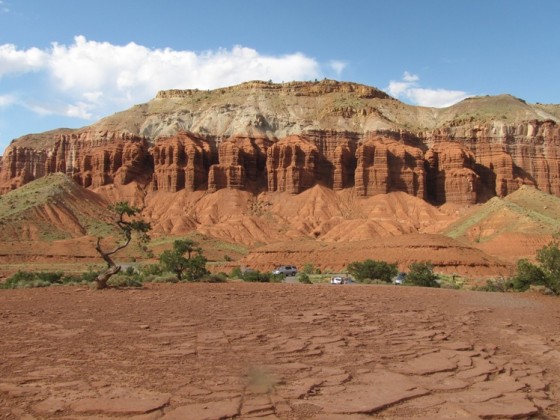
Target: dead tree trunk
<point x="112" y="268"/>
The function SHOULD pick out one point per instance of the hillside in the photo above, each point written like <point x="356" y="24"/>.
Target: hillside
<point x="332" y="165"/>
<point x="51" y="208"/>
<point x="513" y="227"/>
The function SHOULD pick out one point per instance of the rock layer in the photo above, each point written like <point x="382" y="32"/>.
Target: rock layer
<point x="288" y="137"/>
<point x="180" y="162"/>
<point x="91" y="159"/>
<point x="292" y="165"/>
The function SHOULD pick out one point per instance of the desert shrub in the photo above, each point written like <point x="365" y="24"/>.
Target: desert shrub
<point x="528" y="274"/>
<point x="277" y="278"/>
<point x="549" y="260"/>
<point x="26" y="279"/>
<point x="236" y="273"/>
<point x="370" y="281"/>
<point x="370" y="269"/>
<point x="422" y="274"/>
<point x="76" y="279"/>
<point x="125" y="280"/>
<point x="256" y="276"/>
<point x="495" y="285"/>
<point x="151" y="269"/>
<point x="214" y="278"/>
<point x="163" y="278"/>
<point x="304" y="278"/>
<point x="129" y="271"/>
<point x="227" y="258"/>
<point x="308" y="269"/>
<point x="546" y="273"/>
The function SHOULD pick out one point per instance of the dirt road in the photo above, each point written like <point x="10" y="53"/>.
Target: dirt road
<point x="288" y="351"/>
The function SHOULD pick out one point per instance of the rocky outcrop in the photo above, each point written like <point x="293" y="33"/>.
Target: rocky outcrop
<point x="291" y="165"/>
<point x="91" y="159"/>
<point x="20" y="166"/>
<point x="451" y="175"/>
<point x="311" y="89"/>
<point x="385" y="165"/>
<point x="242" y="160"/>
<point x="262" y="136"/>
<point x="180" y="162"/>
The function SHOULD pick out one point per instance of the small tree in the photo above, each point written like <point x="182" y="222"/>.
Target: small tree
<point x="192" y="266"/>
<point x="547" y="273"/>
<point x="128" y="226"/>
<point x="374" y="270"/>
<point x="422" y="274"/>
<point x="549" y="259"/>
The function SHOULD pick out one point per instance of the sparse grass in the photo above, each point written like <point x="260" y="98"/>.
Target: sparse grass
<point x="534" y="208"/>
<point x="18" y="209"/>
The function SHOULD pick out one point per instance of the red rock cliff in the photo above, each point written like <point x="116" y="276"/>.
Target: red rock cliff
<point x="180" y="162"/>
<point x="288" y="137"/>
<point x="292" y="165"/>
<point x="242" y="160"/>
<point x="91" y="159"/>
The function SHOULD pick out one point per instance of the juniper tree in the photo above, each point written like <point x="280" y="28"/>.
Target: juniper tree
<point x="128" y="227"/>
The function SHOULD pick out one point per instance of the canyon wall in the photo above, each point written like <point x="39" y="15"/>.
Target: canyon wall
<point x="91" y="159"/>
<point x="451" y="165"/>
<point x="261" y="136"/>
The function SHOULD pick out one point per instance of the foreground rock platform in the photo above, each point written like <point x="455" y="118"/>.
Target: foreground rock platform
<point x="277" y="351"/>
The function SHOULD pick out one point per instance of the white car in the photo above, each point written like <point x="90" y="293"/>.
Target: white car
<point x="337" y="280"/>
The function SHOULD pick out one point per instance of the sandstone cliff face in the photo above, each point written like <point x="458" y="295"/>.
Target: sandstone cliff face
<point x="91" y="159"/>
<point x="261" y="136"/>
<point x="385" y="165"/>
<point x="180" y="162"/>
<point x="242" y="161"/>
<point x="292" y="165"/>
<point x="507" y="156"/>
<point x="451" y="175"/>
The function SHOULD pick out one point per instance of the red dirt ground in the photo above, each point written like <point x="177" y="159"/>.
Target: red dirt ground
<point x="209" y="351"/>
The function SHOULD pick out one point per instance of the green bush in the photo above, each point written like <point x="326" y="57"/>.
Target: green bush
<point x="151" y="269"/>
<point x="125" y="280"/>
<point x="308" y="269"/>
<point x="236" y="273"/>
<point x="26" y="279"/>
<point x="370" y="269"/>
<point x="182" y="261"/>
<point x="528" y="274"/>
<point x="304" y="278"/>
<point x="546" y="273"/>
<point x="256" y="276"/>
<point x="162" y="278"/>
<point x="214" y="278"/>
<point x="422" y="274"/>
<point x="495" y="285"/>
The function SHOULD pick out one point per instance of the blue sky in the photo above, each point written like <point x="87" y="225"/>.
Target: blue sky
<point x="67" y="63"/>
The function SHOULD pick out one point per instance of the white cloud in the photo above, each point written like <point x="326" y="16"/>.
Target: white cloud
<point x="137" y="72"/>
<point x="409" y="88"/>
<point x="6" y="100"/>
<point x="79" y="110"/>
<point x="338" y="66"/>
<point x="13" y="61"/>
<point x="95" y="78"/>
<point x="407" y="77"/>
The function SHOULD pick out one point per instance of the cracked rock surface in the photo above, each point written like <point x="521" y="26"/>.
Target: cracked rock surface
<point x="277" y="351"/>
